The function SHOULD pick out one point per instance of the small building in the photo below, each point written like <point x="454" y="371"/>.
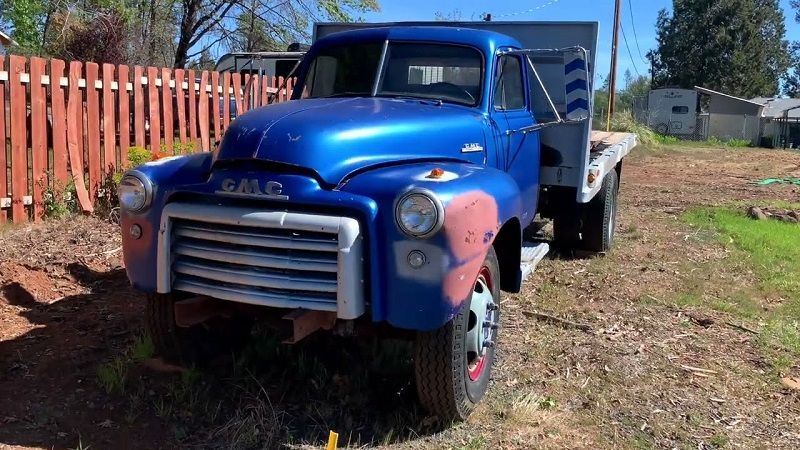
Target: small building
<point x="732" y="117"/>
<point x="5" y="42"/>
<point x="780" y="123"/>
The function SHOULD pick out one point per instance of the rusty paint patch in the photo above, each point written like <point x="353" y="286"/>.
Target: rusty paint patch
<point x="470" y="226"/>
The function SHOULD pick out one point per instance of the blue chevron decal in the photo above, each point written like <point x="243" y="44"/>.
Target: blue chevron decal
<point x="576" y="85"/>
<point x="580" y="103"/>
<point x="576" y="64"/>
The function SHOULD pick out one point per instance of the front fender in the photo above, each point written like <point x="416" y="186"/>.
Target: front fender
<point x="139" y="255"/>
<point x="477" y="201"/>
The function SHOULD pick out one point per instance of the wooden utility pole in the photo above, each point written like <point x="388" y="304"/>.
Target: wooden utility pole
<point x="612" y="85"/>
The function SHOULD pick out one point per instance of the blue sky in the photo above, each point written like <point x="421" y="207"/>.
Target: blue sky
<point x="645" y="13"/>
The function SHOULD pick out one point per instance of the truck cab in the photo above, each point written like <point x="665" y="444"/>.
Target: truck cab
<point x="392" y="192"/>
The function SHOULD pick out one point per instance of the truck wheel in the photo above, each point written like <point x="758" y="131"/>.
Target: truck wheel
<point x="196" y="345"/>
<point x="601" y="216"/>
<point x="453" y="364"/>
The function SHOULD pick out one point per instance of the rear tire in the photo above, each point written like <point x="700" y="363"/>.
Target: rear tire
<point x="452" y="365"/>
<point x="601" y="216"/>
<point x="196" y="345"/>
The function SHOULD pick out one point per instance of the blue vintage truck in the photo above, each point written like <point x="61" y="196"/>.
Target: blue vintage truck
<point x="393" y="193"/>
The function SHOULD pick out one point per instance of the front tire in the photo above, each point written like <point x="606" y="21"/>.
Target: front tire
<point x="453" y="363"/>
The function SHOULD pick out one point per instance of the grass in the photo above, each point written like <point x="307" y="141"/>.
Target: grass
<point x="772" y="250"/>
<point x="772" y="247"/>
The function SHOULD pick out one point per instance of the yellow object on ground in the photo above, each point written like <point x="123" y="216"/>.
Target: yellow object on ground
<point x="333" y="441"/>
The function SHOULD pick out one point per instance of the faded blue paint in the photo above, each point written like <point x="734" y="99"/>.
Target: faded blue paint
<point x="354" y="157"/>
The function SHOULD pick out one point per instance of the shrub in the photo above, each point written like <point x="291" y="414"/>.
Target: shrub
<point x="624" y="121"/>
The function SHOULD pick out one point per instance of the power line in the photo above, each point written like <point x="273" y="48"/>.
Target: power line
<point x="633" y="25"/>
<point x="527" y="11"/>
<point x="630" y="55"/>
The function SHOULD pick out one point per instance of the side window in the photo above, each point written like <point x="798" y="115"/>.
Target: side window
<point x="680" y="110"/>
<point x="510" y="90"/>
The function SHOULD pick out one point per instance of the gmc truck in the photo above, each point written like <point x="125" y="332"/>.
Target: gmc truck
<point x="394" y="193"/>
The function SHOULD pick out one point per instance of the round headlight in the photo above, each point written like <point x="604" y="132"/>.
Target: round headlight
<point x="419" y="214"/>
<point x="133" y="193"/>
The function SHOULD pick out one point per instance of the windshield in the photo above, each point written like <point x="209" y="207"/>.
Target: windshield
<point x="447" y="73"/>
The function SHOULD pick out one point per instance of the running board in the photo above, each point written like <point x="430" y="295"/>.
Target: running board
<point x="532" y="254"/>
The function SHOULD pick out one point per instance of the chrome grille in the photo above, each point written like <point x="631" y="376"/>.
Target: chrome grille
<point x="271" y="258"/>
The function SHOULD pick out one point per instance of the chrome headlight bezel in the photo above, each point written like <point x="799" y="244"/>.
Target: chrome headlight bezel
<point x="135" y="179"/>
<point x="425" y="195"/>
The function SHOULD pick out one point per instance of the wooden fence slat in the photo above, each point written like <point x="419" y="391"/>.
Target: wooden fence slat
<point x="246" y="85"/>
<point x="226" y="100"/>
<point x="75" y="135"/>
<point x="93" y="128"/>
<point x="180" y="97"/>
<point x="138" y="107"/>
<point x="19" y="143"/>
<point x="193" y="111"/>
<point x="3" y="163"/>
<point x="154" y="113"/>
<point x="58" y="112"/>
<point x="109" y="122"/>
<point x="264" y="94"/>
<point x="202" y="113"/>
<point x="289" y="88"/>
<point x="38" y="131"/>
<point x="166" y="99"/>
<point x="123" y="99"/>
<point x="237" y="93"/>
<point x="215" y="99"/>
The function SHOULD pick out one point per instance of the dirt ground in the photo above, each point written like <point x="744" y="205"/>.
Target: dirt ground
<point x="651" y="371"/>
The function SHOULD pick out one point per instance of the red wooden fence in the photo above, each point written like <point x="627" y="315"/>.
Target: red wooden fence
<point x="74" y="123"/>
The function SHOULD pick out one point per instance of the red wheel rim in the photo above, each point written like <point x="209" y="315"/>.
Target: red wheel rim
<point x="475" y="369"/>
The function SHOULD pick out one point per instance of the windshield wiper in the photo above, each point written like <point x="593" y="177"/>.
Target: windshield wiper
<point x="347" y="94"/>
<point x="433" y="100"/>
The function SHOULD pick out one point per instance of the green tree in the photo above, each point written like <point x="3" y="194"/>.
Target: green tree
<point x="27" y="19"/>
<point x="734" y="46"/>
<point x="791" y="86"/>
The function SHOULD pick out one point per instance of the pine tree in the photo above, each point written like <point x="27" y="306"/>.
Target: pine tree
<point x="734" y="46"/>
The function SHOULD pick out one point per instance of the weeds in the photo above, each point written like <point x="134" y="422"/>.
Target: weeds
<point x="112" y="376"/>
<point x="58" y="200"/>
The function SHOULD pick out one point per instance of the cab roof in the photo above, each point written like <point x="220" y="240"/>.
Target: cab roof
<point x="488" y="41"/>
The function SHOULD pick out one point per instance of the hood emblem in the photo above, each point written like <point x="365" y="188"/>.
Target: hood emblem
<point x="471" y="148"/>
<point x="251" y="187"/>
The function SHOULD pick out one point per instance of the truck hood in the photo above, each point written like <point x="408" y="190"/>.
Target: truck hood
<point x="334" y="137"/>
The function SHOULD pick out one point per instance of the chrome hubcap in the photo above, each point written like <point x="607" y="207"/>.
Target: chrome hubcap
<point x="482" y="326"/>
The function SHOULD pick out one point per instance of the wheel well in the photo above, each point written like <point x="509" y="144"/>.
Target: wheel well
<point x="508" y="246"/>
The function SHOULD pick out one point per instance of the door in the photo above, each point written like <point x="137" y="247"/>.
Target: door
<point x="520" y="150"/>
